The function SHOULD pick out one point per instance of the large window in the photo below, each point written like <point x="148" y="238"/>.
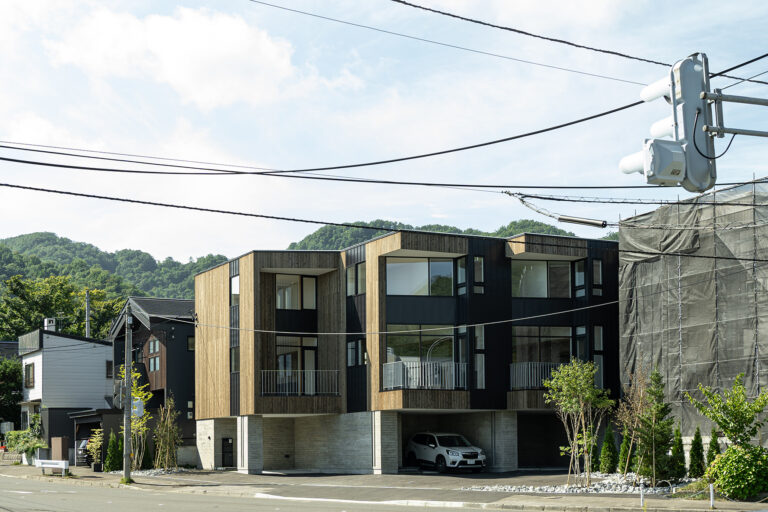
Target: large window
<point x="419" y="343"/>
<point x="542" y="279"/>
<point x="541" y="344"/>
<point x="579" y="268"/>
<point x="479" y="271"/>
<point x="419" y="276"/>
<point x="29" y="375"/>
<point x="597" y="277"/>
<point x="295" y="292"/>
<point x="295" y="354"/>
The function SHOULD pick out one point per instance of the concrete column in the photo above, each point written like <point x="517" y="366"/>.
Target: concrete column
<point x="386" y="449"/>
<point x="250" y="444"/>
<point x="504" y="441"/>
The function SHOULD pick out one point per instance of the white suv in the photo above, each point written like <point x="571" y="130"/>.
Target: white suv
<point x="445" y="451"/>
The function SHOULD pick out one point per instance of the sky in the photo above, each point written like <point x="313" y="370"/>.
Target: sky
<point x="242" y="83"/>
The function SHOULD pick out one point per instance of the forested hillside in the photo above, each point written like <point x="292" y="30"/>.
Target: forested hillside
<point x="122" y="273"/>
<point x="336" y="237"/>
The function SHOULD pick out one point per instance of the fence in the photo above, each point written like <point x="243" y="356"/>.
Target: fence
<point x="530" y="375"/>
<point x="299" y="382"/>
<point x="424" y="375"/>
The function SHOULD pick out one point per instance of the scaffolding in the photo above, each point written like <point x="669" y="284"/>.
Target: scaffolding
<point x="699" y="314"/>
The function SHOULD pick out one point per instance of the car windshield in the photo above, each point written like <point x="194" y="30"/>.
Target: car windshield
<point x="452" y="441"/>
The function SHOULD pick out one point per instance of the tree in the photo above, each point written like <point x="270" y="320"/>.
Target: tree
<point x="10" y="389"/>
<point x="24" y="303"/>
<point x="139" y="424"/>
<point x="581" y="407"/>
<point x="95" y="443"/>
<point x="696" y="464"/>
<point x="713" y="450"/>
<point x="629" y="412"/>
<point x="736" y="416"/>
<point x="609" y="459"/>
<point x="655" y="433"/>
<point x="167" y="435"/>
<point x="677" y="458"/>
<point x="114" y="454"/>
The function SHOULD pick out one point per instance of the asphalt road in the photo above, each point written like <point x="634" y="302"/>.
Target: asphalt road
<point x="21" y="495"/>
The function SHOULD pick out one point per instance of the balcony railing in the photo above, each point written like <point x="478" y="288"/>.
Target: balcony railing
<point x="424" y="375"/>
<point x="530" y="375"/>
<point x="299" y="382"/>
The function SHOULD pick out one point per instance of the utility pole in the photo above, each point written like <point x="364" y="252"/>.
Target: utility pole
<point x="128" y="401"/>
<point x="87" y="313"/>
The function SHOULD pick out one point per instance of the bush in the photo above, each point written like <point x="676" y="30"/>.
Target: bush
<point x="696" y="465"/>
<point x="677" y="459"/>
<point x="714" y="447"/>
<point x="741" y="472"/>
<point x="24" y="441"/>
<point x="609" y="459"/>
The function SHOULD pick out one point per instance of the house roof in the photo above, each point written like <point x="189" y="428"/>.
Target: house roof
<point x="145" y="308"/>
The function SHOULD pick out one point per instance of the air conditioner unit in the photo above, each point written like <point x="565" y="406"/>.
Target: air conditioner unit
<point x="49" y="324"/>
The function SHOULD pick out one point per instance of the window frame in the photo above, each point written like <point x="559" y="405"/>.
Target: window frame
<point x="547" y="285"/>
<point x="453" y="287"/>
<point x="29" y="375"/>
<point x="110" y="370"/>
<point x="597" y="277"/>
<point x="478" y="351"/>
<point x="300" y="298"/>
<point x="191" y="344"/>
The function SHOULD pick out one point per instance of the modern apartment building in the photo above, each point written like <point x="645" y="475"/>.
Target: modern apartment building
<point x="331" y="360"/>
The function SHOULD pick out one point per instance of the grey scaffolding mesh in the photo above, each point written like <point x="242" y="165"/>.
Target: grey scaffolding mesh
<point x="697" y="319"/>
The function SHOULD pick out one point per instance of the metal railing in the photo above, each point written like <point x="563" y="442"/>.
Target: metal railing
<point x="299" y="382"/>
<point x="530" y="375"/>
<point x="424" y="375"/>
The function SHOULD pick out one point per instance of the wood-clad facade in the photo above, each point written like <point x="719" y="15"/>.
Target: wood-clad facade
<point x="425" y="325"/>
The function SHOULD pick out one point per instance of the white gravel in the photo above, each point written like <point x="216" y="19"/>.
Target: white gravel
<point x="151" y="472"/>
<point x="601" y="483"/>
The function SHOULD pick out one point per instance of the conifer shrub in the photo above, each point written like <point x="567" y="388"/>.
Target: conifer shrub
<point x="609" y="458"/>
<point x="696" y="464"/>
<point x="713" y="450"/>
<point x="677" y="458"/>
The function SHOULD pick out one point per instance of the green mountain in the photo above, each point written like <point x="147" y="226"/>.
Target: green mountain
<point x="122" y="273"/>
<point x="337" y="237"/>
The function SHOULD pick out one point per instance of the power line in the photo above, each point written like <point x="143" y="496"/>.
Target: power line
<point x="447" y="45"/>
<point x="556" y="40"/>
<point x="530" y="34"/>
<point x="423" y="155"/>
<point x="344" y="224"/>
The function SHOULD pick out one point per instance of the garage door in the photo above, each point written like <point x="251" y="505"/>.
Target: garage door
<point x="540" y="436"/>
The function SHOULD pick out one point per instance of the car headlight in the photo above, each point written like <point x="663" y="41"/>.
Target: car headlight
<point x="453" y="453"/>
<point x="482" y="452"/>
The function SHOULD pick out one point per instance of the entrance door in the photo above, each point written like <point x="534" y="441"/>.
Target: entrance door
<point x="227" y="452"/>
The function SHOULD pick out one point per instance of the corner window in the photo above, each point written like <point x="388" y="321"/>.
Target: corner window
<point x="579" y="269"/>
<point x="361" y="278"/>
<point x="479" y="366"/>
<point x="479" y="269"/>
<point x="597" y="348"/>
<point x="597" y="277"/>
<point x="191" y="343"/>
<point x="350" y="281"/>
<point x="29" y="375"/>
<point x="295" y="292"/>
<point x="461" y="270"/>
<point x="234" y="290"/>
<point x="110" y="370"/>
<point x="420" y="276"/>
<point x="541" y="279"/>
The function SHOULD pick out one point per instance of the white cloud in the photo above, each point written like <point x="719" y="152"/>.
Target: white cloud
<point x="209" y="58"/>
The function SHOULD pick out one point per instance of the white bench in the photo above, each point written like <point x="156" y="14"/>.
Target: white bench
<point x="63" y="465"/>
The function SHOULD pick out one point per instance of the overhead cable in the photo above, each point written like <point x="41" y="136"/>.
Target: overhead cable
<point x="343" y="224"/>
<point x="553" y="39"/>
<point x="447" y="45"/>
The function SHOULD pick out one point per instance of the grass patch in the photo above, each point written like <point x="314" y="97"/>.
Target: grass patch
<point x="126" y="481"/>
<point x="698" y="490"/>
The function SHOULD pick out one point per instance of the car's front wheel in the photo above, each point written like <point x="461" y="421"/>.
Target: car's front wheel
<point x="440" y="464"/>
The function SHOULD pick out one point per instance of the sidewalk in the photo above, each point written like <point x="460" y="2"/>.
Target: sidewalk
<point x="416" y="489"/>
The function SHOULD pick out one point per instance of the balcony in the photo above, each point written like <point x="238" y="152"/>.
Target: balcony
<point x="424" y="375"/>
<point x="300" y="383"/>
<point x="530" y="375"/>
